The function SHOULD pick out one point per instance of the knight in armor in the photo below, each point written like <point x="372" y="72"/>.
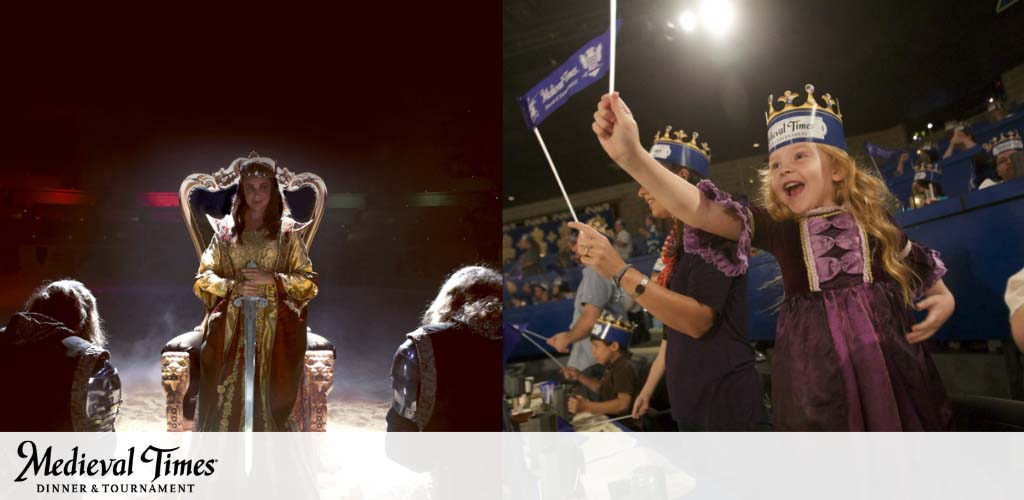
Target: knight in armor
<point x="61" y="378"/>
<point x="256" y="251"/>
<point x="444" y="376"/>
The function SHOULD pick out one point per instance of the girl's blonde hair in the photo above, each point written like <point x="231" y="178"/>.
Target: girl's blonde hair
<point x="866" y="197"/>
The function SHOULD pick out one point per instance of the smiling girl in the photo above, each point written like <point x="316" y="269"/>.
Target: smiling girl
<point x="847" y="354"/>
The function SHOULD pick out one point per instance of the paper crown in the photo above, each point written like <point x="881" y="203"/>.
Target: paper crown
<point x="257" y="166"/>
<point x="807" y="122"/>
<point x="954" y="125"/>
<point x="1007" y="141"/>
<point x="673" y="148"/>
<point x="610" y="328"/>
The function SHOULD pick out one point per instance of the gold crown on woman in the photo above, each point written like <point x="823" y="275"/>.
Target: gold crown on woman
<point x="617" y="322"/>
<point x="810" y="103"/>
<point x="679" y="137"/>
<point x="257" y="166"/>
<point x="1005" y="141"/>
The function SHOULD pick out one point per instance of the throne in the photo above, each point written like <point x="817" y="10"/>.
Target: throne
<point x="201" y="195"/>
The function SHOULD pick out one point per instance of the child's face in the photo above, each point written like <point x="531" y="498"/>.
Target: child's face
<point x="602" y="352"/>
<point x="802" y="177"/>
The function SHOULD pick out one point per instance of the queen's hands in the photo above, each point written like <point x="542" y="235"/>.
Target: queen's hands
<point x="617" y="130"/>
<point x="254" y="279"/>
<point x="258" y="276"/>
<point x="596" y="251"/>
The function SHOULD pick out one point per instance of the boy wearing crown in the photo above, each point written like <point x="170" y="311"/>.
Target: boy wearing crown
<point x="615" y="390"/>
<point x="1003" y="148"/>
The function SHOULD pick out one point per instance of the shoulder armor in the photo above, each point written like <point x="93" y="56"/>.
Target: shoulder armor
<point x="95" y="392"/>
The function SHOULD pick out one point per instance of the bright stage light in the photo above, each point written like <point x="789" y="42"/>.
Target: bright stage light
<point x="718" y="16"/>
<point x="687" y="21"/>
<point x="929" y="126"/>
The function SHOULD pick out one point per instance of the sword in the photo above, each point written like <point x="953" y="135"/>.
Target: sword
<point x="249" y="306"/>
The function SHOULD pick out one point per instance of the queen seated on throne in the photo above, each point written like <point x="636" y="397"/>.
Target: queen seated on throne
<point x="254" y="274"/>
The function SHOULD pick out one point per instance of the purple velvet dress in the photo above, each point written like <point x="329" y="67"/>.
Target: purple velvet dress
<point x="841" y="359"/>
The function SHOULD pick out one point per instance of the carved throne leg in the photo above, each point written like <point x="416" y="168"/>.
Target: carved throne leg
<point x="318" y="382"/>
<point x="175" y="378"/>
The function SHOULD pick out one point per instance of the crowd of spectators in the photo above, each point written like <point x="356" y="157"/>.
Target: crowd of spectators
<point x="534" y="276"/>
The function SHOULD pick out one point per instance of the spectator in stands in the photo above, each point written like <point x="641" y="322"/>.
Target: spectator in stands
<point x="705" y="355"/>
<point x="652" y="238"/>
<point x="58" y="375"/>
<point x="623" y="240"/>
<point x="997" y="111"/>
<point x="525" y="295"/>
<point x="1003" y="149"/>
<point x="558" y="289"/>
<point x="927" y="186"/>
<point x="1015" y="301"/>
<point x="529" y="259"/>
<point x="508" y="252"/>
<point x="926" y="191"/>
<point x="962" y="140"/>
<point x="540" y="293"/>
<point x="617" y="388"/>
<point x="566" y="257"/>
<point x="594" y="295"/>
<point x="511" y="296"/>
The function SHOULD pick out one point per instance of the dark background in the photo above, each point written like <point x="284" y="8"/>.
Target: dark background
<point x="888" y="62"/>
<point x="385" y="102"/>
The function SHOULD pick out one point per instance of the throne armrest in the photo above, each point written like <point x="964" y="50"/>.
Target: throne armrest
<point x="189" y="342"/>
<point x="179" y="364"/>
<point x="315" y="342"/>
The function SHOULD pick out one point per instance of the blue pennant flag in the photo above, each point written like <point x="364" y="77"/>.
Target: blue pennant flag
<point x="586" y="66"/>
<point x="880" y="152"/>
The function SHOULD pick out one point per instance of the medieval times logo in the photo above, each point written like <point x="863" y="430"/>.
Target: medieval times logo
<point x="591" y="61"/>
<point x="160" y="462"/>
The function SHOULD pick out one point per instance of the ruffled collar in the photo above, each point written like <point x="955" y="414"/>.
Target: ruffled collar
<point x="824" y="212"/>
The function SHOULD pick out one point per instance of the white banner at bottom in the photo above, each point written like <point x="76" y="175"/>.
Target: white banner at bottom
<point x="512" y="466"/>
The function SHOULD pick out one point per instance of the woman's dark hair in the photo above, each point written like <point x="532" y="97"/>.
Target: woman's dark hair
<point x="472" y="296"/>
<point x="71" y="303"/>
<point x="277" y="209"/>
<point x="677" y="225"/>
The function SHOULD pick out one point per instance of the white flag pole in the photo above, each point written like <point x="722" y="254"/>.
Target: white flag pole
<point x="547" y="155"/>
<point x="611" y="52"/>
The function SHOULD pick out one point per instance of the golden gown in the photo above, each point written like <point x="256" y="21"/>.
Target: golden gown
<point x="280" y="328"/>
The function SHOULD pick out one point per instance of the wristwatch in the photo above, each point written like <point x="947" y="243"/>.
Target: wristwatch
<point x="640" y="287"/>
